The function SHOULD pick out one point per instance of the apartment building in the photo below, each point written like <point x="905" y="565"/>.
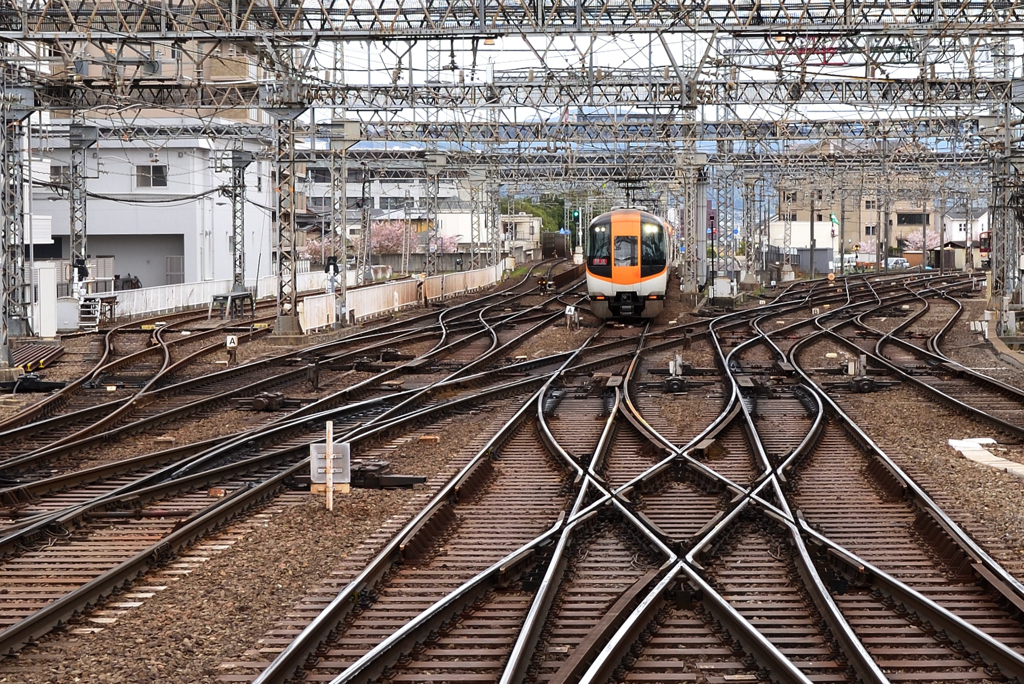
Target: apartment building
<point x="155" y="204"/>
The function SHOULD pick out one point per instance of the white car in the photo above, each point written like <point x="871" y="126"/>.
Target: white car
<point x="893" y="263"/>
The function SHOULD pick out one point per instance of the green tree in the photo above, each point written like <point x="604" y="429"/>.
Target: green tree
<point x="549" y="211"/>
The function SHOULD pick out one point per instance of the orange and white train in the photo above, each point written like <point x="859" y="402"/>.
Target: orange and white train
<point x="627" y="264"/>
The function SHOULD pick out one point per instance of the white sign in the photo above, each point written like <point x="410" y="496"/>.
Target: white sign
<point x="318" y="463"/>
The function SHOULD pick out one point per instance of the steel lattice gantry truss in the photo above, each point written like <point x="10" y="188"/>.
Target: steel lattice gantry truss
<point x="569" y="88"/>
<point x="340" y="20"/>
<point x="909" y="85"/>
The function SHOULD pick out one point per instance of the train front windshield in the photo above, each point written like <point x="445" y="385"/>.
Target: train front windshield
<point x="599" y="248"/>
<point x="652" y="248"/>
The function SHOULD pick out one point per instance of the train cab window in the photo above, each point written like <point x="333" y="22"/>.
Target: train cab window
<point x="652" y="245"/>
<point x="626" y="250"/>
<point x="599" y="249"/>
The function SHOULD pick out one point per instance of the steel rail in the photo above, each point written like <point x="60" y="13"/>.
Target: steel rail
<point x="589" y="479"/>
<point x="947" y="399"/>
<point x="294" y="655"/>
<point x="245" y="441"/>
<point x="58" y="399"/>
<point x="859" y="657"/>
<point x="150" y="488"/>
<point x="1009" y="662"/>
<point x="619" y="613"/>
<point x="1005" y="583"/>
<point x="853" y="648"/>
<point x="65" y="445"/>
<point x="120" y="411"/>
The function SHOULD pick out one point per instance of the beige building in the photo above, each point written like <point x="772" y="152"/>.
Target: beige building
<point x="860" y="217"/>
<point x="856" y="199"/>
<point x="169" y="63"/>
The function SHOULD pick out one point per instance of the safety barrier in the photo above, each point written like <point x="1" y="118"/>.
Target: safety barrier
<point x="317" y="312"/>
<point x="367" y="302"/>
<point x="154" y="300"/>
<point x="363" y="302"/>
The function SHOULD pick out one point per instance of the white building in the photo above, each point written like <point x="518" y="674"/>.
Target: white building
<point x="157" y="209"/>
<point x="959" y="224"/>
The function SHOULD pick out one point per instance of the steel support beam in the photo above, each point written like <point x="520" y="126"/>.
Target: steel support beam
<point x="365" y="253"/>
<point x="284" y="168"/>
<point x="13" y="238"/>
<point x="80" y="139"/>
<point x="16" y="104"/>
<point x="240" y="160"/>
<point x="433" y="237"/>
<point x="377" y="125"/>
<point x="658" y="96"/>
<point x="751" y="243"/>
<point x="250" y="21"/>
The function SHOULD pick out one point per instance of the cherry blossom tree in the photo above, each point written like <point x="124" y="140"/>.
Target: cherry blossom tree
<point x="386" y="238"/>
<point x="913" y="240"/>
<point x="317" y="250"/>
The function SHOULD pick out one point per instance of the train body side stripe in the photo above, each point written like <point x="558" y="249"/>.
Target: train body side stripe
<point x="626" y="225"/>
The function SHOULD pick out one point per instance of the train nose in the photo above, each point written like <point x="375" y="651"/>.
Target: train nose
<point x="627" y="304"/>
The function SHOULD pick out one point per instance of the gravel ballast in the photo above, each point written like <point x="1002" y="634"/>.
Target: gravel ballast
<point x="219" y="611"/>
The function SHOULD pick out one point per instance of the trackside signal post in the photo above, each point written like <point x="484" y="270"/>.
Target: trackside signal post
<point x="577" y="253"/>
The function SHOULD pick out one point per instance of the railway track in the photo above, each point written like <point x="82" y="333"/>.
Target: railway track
<point x="588" y="534"/>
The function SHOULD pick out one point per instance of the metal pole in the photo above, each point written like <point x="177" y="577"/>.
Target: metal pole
<point x="80" y="139"/>
<point x="287" y="296"/>
<point x="12" y="256"/>
<point x="239" y="161"/>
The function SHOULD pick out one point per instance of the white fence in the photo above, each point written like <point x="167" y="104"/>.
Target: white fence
<point x="150" y="300"/>
<point x="267" y="285"/>
<point x="366" y="302"/>
<point x="363" y="302"/>
<point x="317" y="312"/>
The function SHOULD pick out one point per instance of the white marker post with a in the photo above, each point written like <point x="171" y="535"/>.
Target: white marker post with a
<point x="330" y="465"/>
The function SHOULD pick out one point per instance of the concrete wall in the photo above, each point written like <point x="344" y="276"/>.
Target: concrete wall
<point x="142" y="255"/>
<point x="418" y="262"/>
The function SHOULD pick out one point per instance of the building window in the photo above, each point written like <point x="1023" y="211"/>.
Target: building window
<point x="870" y="230"/>
<point x="870" y="204"/>
<point x="789" y="196"/>
<point x="318" y="204"/>
<point x="151" y="176"/>
<point x="318" y="175"/>
<point x="60" y="174"/>
<point x="396" y="203"/>
<point x="819" y="217"/>
<point x="818" y="194"/>
<point x="911" y="219"/>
